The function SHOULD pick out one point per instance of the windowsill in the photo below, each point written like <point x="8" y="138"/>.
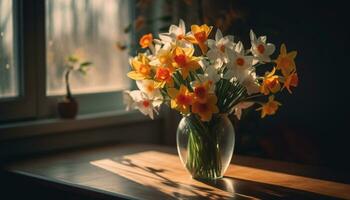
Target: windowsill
<point x="86" y="121"/>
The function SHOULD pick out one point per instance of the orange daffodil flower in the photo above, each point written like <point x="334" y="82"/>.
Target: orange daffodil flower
<point x="184" y="60"/>
<point x="291" y="80"/>
<point x="199" y="35"/>
<point x="146" y="40"/>
<point x="285" y="61"/>
<point x="271" y="83"/>
<point x="270" y="107"/>
<point x="204" y="100"/>
<point x="202" y="90"/>
<point x="164" y="76"/>
<point x="169" y="72"/>
<point x="206" y="109"/>
<point x="181" y="99"/>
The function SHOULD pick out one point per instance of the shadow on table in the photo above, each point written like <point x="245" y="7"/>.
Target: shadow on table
<point x="148" y="181"/>
<point x="258" y="190"/>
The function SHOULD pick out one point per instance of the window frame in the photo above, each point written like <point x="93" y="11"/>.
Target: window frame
<point x="32" y="102"/>
<point x="24" y="105"/>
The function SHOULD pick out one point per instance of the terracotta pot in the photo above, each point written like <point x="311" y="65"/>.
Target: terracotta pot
<point x="68" y="109"/>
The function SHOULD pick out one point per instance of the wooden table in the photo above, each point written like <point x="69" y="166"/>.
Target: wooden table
<point x="155" y="172"/>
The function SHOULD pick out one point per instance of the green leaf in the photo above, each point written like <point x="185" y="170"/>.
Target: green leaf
<point x="85" y="64"/>
<point x="72" y="59"/>
<point x="82" y="71"/>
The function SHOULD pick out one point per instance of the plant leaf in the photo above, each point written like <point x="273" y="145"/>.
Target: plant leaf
<point x="85" y="64"/>
<point x="72" y="59"/>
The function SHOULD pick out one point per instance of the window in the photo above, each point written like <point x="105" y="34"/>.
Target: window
<point x="36" y="36"/>
<point x="8" y="70"/>
<point x="89" y="29"/>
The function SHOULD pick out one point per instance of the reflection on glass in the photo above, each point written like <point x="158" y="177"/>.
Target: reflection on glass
<point x="8" y="70"/>
<point x="89" y="29"/>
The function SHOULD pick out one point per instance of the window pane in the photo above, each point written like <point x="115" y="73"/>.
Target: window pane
<point x="90" y="29"/>
<point x="8" y="70"/>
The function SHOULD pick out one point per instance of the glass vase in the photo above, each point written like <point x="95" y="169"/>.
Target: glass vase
<point x="205" y="148"/>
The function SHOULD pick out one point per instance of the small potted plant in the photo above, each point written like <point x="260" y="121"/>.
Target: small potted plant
<point x="68" y="107"/>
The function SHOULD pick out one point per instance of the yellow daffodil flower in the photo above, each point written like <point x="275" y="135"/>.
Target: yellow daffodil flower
<point x="163" y="56"/>
<point x="199" y="35"/>
<point x="291" y="80"/>
<point x="207" y="108"/>
<point x="183" y="58"/>
<point x="141" y="67"/>
<point x="285" y="61"/>
<point x="146" y="40"/>
<point x="271" y="83"/>
<point x="270" y="107"/>
<point x="181" y="99"/>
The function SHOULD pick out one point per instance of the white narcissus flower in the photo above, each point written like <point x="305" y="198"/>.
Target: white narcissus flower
<point x="148" y="87"/>
<point x="162" y="56"/>
<point x="239" y="64"/>
<point x="240" y="106"/>
<point x="136" y="99"/>
<point x="130" y="98"/>
<point x="260" y="49"/>
<point x="250" y="83"/>
<point x="176" y="35"/>
<point x="210" y="73"/>
<point x="217" y="52"/>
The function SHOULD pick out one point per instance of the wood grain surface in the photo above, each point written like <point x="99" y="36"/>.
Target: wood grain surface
<point x="155" y="172"/>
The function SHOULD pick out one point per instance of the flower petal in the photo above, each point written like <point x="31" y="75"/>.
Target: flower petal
<point x="182" y="26"/>
<point x="252" y="36"/>
<point x="172" y="92"/>
<point x="218" y="35"/>
<point x="263" y="39"/>
<point x="270" y="48"/>
<point x="283" y="50"/>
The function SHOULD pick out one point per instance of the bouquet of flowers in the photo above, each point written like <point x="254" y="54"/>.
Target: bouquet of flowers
<point x="204" y="78"/>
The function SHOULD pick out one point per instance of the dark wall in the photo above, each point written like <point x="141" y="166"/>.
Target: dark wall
<point x="311" y="126"/>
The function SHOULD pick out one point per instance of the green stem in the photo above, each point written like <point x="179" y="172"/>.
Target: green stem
<point x="69" y="94"/>
<point x="203" y="159"/>
<point x="253" y="96"/>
